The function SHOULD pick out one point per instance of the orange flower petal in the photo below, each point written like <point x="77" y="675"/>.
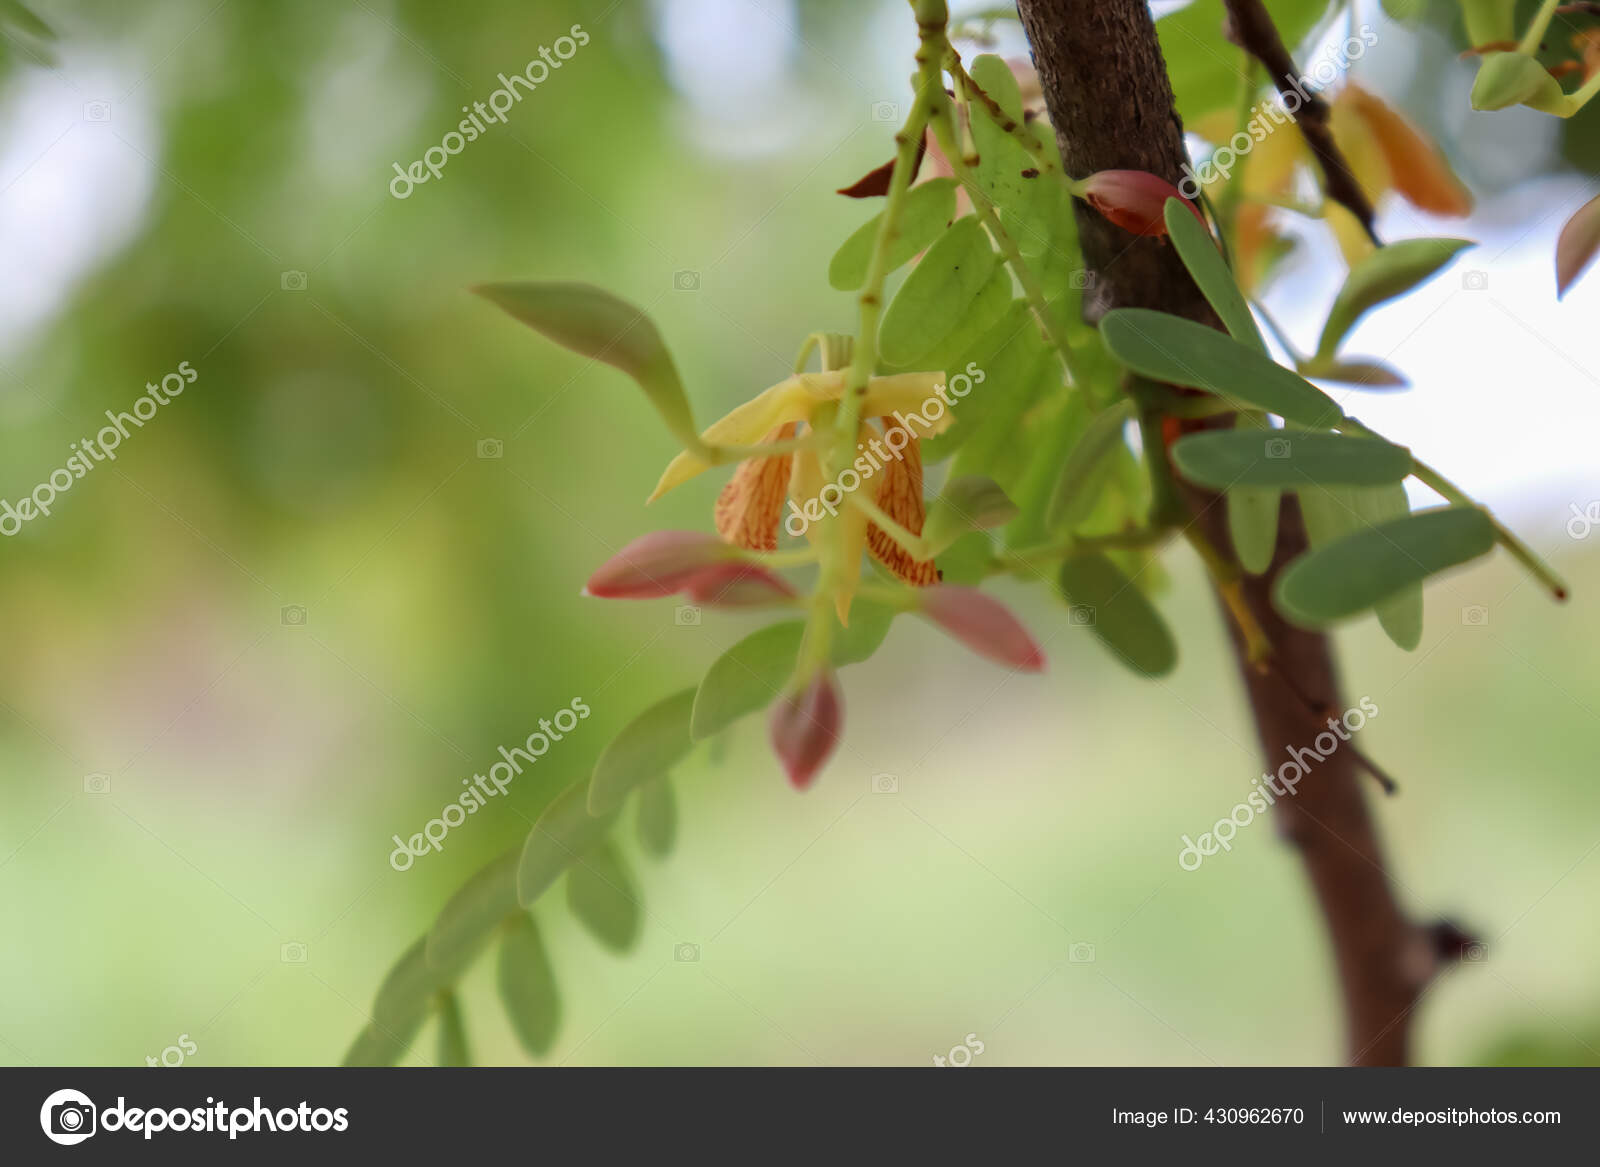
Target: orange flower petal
<point x="1416" y="167"/>
<point x="899" y="494"/>
<point x="749" y="507"/>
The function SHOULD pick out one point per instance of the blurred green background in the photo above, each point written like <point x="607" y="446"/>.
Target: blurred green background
<point x="199" y="789"/>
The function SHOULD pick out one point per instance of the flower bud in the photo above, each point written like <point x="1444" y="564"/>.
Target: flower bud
<point x="804" y="727"/>
<point x="1575" y="250"/>
<point x="1134" y="200"/>
<point x="983" y="624"/>
<point x="657" y="564"/>
<point x="736" y="585"/>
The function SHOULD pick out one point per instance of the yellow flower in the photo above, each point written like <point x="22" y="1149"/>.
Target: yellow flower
<point x="889" y="465"/>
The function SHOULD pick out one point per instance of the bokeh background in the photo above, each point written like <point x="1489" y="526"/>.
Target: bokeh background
<point x="198" y="790"/>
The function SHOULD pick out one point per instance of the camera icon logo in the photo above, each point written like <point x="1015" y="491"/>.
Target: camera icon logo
<point x="1475" y="281"/>
<point x="1476" y="953"/>
<point x="1081" y="281"/>
<point x="97" y="111"/>
<point x="292" y="281"/>
<point x="293" y="616"/>
<point x="1278" y="447"/>
<point x="1583" y="521"/>
<point x="97" y="783"/>
<point x="686" y="616"/>
<point x="686" y="280"/>
<point x="885" y="111"/>
<point x="294" y="952"/>
<point x="1081" y="614"/>
<point x="1081" y="954"/>
<point x="1475" y="616"/>
<point x="884" y="784"/>
<point x="489" y="448"/>
<point x="67" y="1117"/>
<point x="686" y="953"/>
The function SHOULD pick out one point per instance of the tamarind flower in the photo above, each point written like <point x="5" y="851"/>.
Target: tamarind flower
<point x="898" y="411"/>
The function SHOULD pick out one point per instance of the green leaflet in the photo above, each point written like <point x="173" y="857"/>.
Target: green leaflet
<point x="751" y="674"/>
<point x="382" y="1045"/>
<point x="647" y="748"/>
<point x="1120" y="615"/>
<point x="1017" y="375"/>
<point x="470" y="917"/>
<point x="1354" y="573"/>
<point x="528" y="987"/>
<point x="1180" y="352"/>
<point x="955" y="352"/>
<point x="596" y="324"/>
<point x="1386" y="273"/>
<point x="602" y="896"/>
<point x="971" y="503"/>
<point x="1074" y="492"/>
<point x="1253" y="510"/>
<point x="996" y="79"/>
<point x="990" y="354"/>
<point x="937" y="293"/>
<point x="1211" y="274"/>
<point x="1400" y="616"/>
<point x="1221" y="459"/>
<point x="657" y="822"/>
<point x="561" y="833"/>
<point x="928" y="209"/>
<point x="1333" y="512"/>
<point x="453" y="1049"/>
<point x="409" y="988"/>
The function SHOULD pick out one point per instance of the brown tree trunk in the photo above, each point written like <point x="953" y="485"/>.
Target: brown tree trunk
<point x="1106" y="87"/>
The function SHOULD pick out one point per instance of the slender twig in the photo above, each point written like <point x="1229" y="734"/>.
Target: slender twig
<point x="1251" y="27"/>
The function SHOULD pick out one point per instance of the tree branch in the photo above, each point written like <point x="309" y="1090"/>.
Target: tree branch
<point x="1106" y="86"/>
<point x="1250" y="27"/>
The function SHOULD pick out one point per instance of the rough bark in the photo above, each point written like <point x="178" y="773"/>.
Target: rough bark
<point x="1106" y="88"/>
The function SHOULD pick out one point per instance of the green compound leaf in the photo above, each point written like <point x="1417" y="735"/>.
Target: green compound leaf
<point x="564" y="831"/>
<point x="1354" y="573"/>
<point x="1180" y="352"/>
<point x="528" y="987"/>
<point x="469" y="918"/>
<point x="598" y="325"/>
<point x="937" y="293"/>
<point x="1386" y="273"/>
<point x="1221" y="459"/>
<point x="1121" y="616"/>
<point x="1200" y="255"/>
<point x="657" y="822"/>
<point x="928" y="209"/>
<point x="647" y="748"/>
<point x="602" y="896"/>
